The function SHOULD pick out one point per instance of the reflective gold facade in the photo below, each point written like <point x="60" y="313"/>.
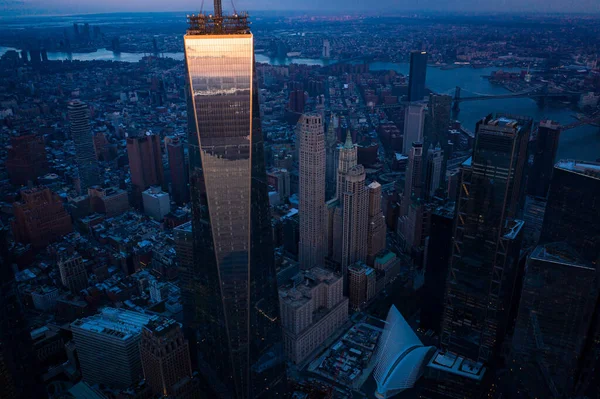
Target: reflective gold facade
<point x="230" y="292"/>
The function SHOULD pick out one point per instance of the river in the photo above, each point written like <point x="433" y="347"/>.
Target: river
<point x="580" y="143"/>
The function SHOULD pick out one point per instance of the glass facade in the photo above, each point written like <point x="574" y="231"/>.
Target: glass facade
<point x="417" y="75"/>
<point x="573" y="208"/>
<point x="230" y="293"/>
<point x="560" y="292"/>
<point x="486" y="243"/>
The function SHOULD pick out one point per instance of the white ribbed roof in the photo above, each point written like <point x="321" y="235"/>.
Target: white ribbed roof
<point x="400" y="356"/>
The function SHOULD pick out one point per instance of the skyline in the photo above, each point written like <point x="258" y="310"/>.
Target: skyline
<point x="20" y="8"/>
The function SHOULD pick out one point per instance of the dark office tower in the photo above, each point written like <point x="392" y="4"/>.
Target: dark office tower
<point x="438" y="250"/>
<point x="26" y="159"/>
<point x="81" y="133"/>
<point x="376" y="235"/>
<point x="546" y="145"/>
<point x="296" y="103"/>
<point x="573" y="208"/>
<point x="145" y="163"/>
<point x="18" y="362"/>
<point x="165" y="355"/>
<point x="416" y="78"/>
<point x="439" y="111"/>
<point x="413" y="177"/>
<point x="485" y="252"/>
<point x="179" y="179"/>
<point x="560" y="291"/>
<point x="433" y="171"/>
<point x="235" y="308"/>
<point x="331" y="159"/>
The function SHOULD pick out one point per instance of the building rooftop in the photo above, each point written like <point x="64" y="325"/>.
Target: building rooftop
<point x="301" y="290"/>
<point x="451" y="363"/>
<point x="591" y="169"/>
<point x="155" y="192"/>
<point x="513" y="227"/>
<point x="161" y="326"/>
<point x="559" y="252"/>
<point x="117" y="323"/>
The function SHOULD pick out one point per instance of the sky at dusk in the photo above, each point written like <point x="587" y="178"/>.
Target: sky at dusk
<point x="25" y="7"/>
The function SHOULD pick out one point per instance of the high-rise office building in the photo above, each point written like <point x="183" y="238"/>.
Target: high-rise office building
<point x="81" y="133"/>
<point x="297" y="101"/>
<point x="26" y="159"/>
<point x="331" y="159"/>
<point x="438" y="250"/>
<point x="280" y="180"/>
<point x="560" y="292"/>
<point x="376" y="236"/>
<point x="19" y="366"/>
<point x="108" y="346"/>
<point x="573" y="208"/>
<point x="179" y="172"/>
<point x="72" y="272"/>
<point x="230" y="294"/>
<point x="544" y="154"/>
<point x="40" y="217"/>
<point x="433" y="171"/>
<point x="165" y="356"/>
<point x="311" y="207"/>
<point x="414" y="124"/>
<point x="145" y="161"/>
<point x="413" y="178"/>
<point x="355" y="219"/>
<point x="485" y="251"/>
<point x="417" y="75"/>
<point x="439" y="112"/>
<point x="326" y="49"/>
<point x="347" y="159"/>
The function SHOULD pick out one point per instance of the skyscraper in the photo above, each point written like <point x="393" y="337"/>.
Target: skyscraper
<point x="546" y="145"/>
<point x="179" y="172"/>
<point x="439" y="111"/>
<point x="81" y="133"/>
<point x="413" y="177"/>
<point x="230" y="294"/>
<point x="331" y="159"/>
<point x="485" y="252"/>
<point x="438" y="250"/>
<point x="311" y="208"/>
<point x="145" y="161"/>
<point x="417" y="75"/>
<point x="19" y="367"/>
<point x="573" y="208"/>
<point x="355" y="219"/>
<point x="377" y="229"/>
<point x="414" y="124"/>
<point x="433" y="171"/>
<point x="165" y="356"/>
<point x="347" y="159"/>
<point x="560" y="292"/>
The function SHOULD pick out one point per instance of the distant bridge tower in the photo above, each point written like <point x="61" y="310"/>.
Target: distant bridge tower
<point x="456" y="101"/>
